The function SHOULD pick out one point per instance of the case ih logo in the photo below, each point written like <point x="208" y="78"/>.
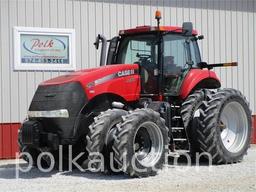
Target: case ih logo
<point x="126" y="73"/>
<point x="104" y="79"/>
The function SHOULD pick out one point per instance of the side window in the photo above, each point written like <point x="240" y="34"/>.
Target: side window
<point x="111" y="56"/>
<point x="178" y="52"/>
<point x="193" y="54"/>
<point x="177" y="56"/>
<point x="174" y="51"/>
<point x="196" y="52"/>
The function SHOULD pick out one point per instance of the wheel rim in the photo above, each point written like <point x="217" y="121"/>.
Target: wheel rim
<point x="148" y="144"/>
<point x="234" y="127"/>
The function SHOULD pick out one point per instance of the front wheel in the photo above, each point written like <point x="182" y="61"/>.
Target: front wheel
<point x="99" y="138"/>
<point x="141" y="143"/>
<point x="34" y="153"/>
<point x="225" y="127"/>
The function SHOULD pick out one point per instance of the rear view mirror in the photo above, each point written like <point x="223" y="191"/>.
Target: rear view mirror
<point x="187" y="28"/>
<point x="97" y="42"/>
<point x="200" y="37"/>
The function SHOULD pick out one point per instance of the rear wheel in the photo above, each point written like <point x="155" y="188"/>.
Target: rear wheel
<point x="190" y="111"/>
<point x="225" y="126"/>
<point x="141" y="143"/>
<point x="100" y="137"/>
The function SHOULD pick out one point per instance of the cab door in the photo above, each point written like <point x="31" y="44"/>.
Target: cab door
<point x="178" y="58"/>
<point x="142" y="50"/>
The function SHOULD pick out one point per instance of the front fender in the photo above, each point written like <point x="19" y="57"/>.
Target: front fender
<point x="198" y="78"/>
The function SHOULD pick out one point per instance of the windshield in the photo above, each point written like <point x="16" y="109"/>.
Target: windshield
<point x="134" y="48"/>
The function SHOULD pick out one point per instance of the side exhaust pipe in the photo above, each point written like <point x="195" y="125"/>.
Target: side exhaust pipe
<point x="101" y="38"/>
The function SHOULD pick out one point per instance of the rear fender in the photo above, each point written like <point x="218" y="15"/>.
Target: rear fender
<point x="198" y="78"/>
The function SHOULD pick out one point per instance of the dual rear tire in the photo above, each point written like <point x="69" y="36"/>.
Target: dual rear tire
<point x="218" y="124"/>
<point x="225" y="127"/>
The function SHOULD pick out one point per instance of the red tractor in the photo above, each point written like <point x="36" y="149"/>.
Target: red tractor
<point x="152" y="95"/>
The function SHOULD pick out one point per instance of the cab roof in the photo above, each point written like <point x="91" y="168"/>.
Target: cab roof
<point x="142" y="29"/>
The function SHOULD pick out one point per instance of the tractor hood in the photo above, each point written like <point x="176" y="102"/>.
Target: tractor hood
<point x="118" y="79"/>
<point x="89" y="75"/>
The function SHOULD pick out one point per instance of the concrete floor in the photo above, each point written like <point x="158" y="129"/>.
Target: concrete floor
<point x="235" y="177"/>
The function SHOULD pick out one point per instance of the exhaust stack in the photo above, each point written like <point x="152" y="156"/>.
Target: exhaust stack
<point x="101" y="38"/>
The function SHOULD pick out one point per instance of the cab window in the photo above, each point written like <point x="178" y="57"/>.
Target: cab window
<point x="133" y="48"/>
<point x="178" y="55"/>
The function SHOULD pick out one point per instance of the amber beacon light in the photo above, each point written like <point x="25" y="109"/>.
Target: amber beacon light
<point x="158" y="17"/>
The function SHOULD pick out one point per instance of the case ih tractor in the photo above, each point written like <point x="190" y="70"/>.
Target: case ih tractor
<point x="152" y="95"/>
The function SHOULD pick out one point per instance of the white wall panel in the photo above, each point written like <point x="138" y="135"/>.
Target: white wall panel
<point x="234" y="43"/>
<point x="14" y="77"/>
<point x="229" y="27"/>
<point x="5" y="75"/>
<point x="38" y="23"/>
<point x="1" y="71"/>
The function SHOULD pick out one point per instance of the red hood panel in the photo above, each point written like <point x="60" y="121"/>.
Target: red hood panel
<point x="121" y="80"/>
<point x="87" y="75"/>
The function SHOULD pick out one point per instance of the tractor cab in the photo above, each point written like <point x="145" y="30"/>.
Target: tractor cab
<point x="164" y="54"/>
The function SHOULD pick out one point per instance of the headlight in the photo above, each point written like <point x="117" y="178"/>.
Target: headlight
<point x="62" y="113"/>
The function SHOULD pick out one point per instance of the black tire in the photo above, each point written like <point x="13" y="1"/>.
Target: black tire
<point x="210" y="127"/>
<point x="125" y="139"/>
<point x="99" y="138"/>
<point x="188" y="109"/>
<point x="34" y="153"/>
<point x="65" y="157"/>
<point x="77" y="149"/>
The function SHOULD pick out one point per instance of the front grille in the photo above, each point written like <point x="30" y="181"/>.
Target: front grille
<point x="68" y="96"/>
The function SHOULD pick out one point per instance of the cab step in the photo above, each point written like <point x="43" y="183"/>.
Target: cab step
<point x="178" y="128"/>
<point x="179" y="139"/>
<point x="176" y="117"/>
<point x="178" y="153"/>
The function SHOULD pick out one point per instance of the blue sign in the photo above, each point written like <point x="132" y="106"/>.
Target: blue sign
<point x="44" y="49"/>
